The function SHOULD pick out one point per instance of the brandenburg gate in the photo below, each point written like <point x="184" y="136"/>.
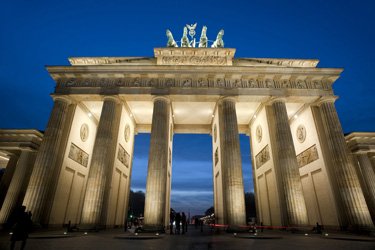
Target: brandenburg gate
<point x="303" y="171"/>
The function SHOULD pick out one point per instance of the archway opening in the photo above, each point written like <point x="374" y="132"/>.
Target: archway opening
<point x="192" y="181"/>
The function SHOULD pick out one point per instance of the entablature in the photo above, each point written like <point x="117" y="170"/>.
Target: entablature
<point x="20" y="139"/>
<point x="220" y="84"/>
<point x="361" y="142"/>
<point x="183" y="79"/>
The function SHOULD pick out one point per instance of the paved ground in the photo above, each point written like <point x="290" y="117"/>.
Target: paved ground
<point x="193" y="240"/>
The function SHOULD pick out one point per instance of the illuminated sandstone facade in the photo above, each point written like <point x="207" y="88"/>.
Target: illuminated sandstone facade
<point x="302" y="169"/>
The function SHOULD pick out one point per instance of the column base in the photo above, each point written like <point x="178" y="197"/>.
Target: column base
<point x="151" y="229"/>
<point x="237" y="229"/>
<point x="90" y="227"/>
<point x="360" y="230"/>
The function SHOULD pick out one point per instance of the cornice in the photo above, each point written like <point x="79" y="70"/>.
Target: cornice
<point x="276" y="62"/>
<point x="194" y="56"/>
<point x="21" y="133"/>
<point x="121" y="70"/>
<point x="360" y="135"/>
<point x="80" y="61"/>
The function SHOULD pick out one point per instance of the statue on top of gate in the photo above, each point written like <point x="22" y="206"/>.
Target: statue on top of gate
<point x="185" y="40"/>
<point x="171" y="42"/>
<point x="219" y="43"/>
<point x="203" y="41"/>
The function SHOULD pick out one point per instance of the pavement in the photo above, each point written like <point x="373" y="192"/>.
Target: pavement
<point x="194" y="239"/>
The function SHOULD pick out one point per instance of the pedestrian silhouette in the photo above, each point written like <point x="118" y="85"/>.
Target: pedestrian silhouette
<point x="171" y="218"/>
<point x="178" y="221"/>
<point x="183" y="221"/>
<point x="21" y="228"/>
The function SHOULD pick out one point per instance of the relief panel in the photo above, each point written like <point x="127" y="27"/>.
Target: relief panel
<point x="78" y="155"/>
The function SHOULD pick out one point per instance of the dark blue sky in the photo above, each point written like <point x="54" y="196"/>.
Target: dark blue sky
<point x="38" y="33"/>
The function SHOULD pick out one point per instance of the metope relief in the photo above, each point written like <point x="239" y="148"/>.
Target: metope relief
<point x="307" y="156"/>
<point x="123" y="156"/>
<point x="84" y="132"/>
<point x="78" y="155"/>
<point x="199" y="82"/>
<point x="262" y="157"/>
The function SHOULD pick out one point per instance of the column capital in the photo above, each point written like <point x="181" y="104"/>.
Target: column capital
<point x="325" y="99"/>
<point x="362" y="153"/>
<point x="65" y="98"/>
<point x="161" y="97"/>
<point x="226" y="98"/>
<point x="114" y="98"/>
<point x="274" y="99"/>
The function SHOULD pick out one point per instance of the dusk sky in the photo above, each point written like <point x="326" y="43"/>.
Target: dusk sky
<point x="341" y="34"/>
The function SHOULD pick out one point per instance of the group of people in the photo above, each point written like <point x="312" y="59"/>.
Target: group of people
<point x="178" y="223"/>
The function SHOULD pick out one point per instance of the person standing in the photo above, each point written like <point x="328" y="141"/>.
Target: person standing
<point x="22" y="228"/>
<point x="171" y="220"/>
<point x="183" y="221"/>
<point x="178" y="221"/>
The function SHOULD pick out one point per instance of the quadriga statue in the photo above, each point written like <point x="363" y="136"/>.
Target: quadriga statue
<point x="185" y="40"/>
<point x="171" y="42"/>
<point x="203" y="41"/>
<point x="219" y="43"/>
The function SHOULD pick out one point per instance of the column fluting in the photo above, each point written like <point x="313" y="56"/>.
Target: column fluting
<point x="20" y="179"/>
<point x="366" y="172"/>
<point x="101" y="167"/>
<point x="44" y="171"/>
<point x="291" y="198"/>
<point x="8" y="175"/>
<point x="157" y="165"/>
<point x="343" y="172"/>
<point x="231" y="163"/>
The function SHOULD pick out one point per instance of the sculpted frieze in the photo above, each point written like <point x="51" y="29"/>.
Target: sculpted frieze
<point x="150" y="82"/>
<point x="78" y="155"/>
<point x="262" y="157"/>
<point x="193" y="60"/>
<point x="307" y="156"/>
<point x="123" y="156"/>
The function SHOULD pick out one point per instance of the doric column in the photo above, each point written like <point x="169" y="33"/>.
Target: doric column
<point x="18" y="184"/>
<point x="101" y="167"/>
<point x="155" y="202"/>
<point x="231" y="163"/>
<point x="45" y="172"/>
<point x="366" y="173"/>
<point x="353" y="208"/>
<point x="292" y="201"/>
<point x="372" y="160"/>
<point x="8" y="175"/>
